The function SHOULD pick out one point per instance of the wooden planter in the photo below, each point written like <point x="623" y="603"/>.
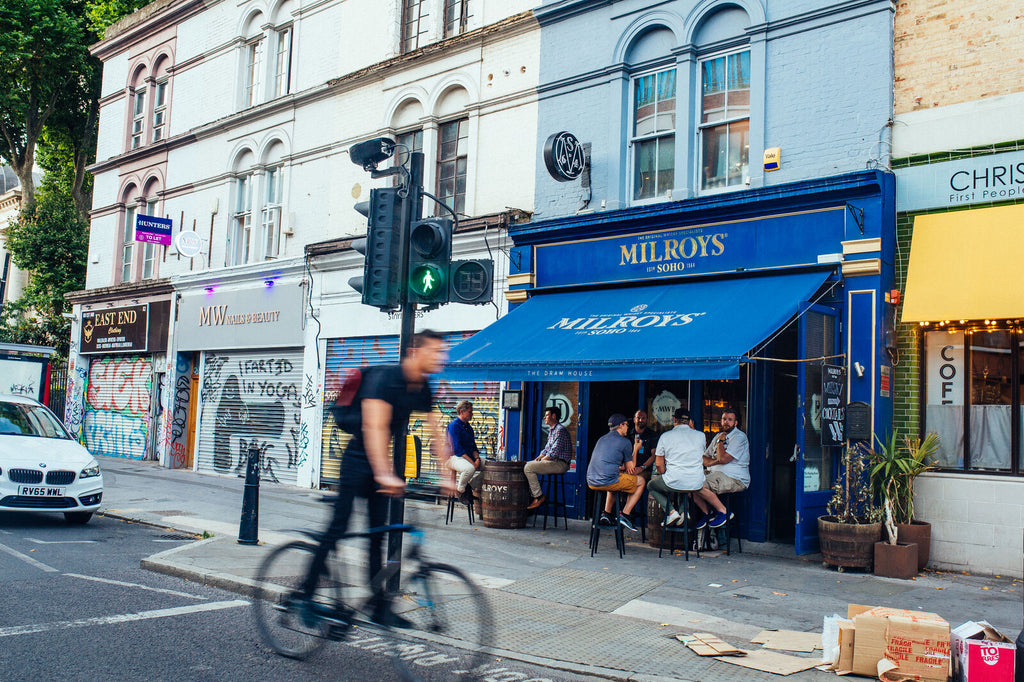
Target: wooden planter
<point x="920" y="533"/>
<point x="896" y="561"/>
<point x="848" y="545"/>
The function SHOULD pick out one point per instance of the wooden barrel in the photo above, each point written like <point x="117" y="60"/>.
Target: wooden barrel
<point x="655" y="519"/>
<point x="505" y="494"/>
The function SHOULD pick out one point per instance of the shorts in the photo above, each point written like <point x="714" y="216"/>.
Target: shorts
<point x="721" y="484"/>
<point x="626" y="484"/>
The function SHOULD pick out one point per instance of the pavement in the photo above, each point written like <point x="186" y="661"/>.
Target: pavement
<point x="554" y="604"/>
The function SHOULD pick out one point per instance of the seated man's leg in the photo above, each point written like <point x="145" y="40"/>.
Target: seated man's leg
<point x="463" y="472"/>
<point x="660" y="492"/>
<point x="531" y="472"/>
<point x="721" y="484"/>
<point x="634" y="494"/>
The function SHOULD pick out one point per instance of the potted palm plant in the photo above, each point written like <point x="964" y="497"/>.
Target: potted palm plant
<point x="848" y="533"/>
<point x="895" y="464"/>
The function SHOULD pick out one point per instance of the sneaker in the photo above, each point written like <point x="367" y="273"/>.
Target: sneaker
<point x="672" y="518"/>
<point x="605" y="520"/>
<point x="466" y="497"/>
<point x="627" y="523"/>
<point x="703" y="523"/>
<point x="718" y="520"/>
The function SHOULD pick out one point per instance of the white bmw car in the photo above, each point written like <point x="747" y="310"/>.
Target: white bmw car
<point x="42" y="468"/>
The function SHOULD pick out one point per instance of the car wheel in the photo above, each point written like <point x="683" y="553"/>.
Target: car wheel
<point x="77" y="518"/>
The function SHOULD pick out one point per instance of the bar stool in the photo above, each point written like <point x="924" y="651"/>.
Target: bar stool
<point x="554" y="490"/>
<point x="595" y="526"/>
<point x="453" y="502"/>
<point x="730" y="501"/>
<point x="681" y="501"/>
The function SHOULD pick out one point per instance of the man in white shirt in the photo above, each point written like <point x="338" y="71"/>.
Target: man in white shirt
<point x="680" y="469"/>
<point x="727" y="460"/>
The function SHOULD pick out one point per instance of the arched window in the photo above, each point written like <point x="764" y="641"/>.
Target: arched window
<point x="653" y="115"/>
<point x="129" y="197"/>
<point x="452" y="150"/>
<point x="138" y="108"/>
<point x="240" y="230"/>
<point x="148" y="206"/>
<point x="273" y="201"/>
<point x="161" y="95"/>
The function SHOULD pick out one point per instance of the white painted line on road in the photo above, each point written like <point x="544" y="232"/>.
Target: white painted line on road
<point x="61" y="542"/>
<point x="137" y="585"/>
<point x="121" y="618"/>
<point x="28" y="560"/>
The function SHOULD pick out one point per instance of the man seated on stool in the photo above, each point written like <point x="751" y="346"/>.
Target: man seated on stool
<point x="465" y="460"/>
<point x="613" y="469"/>
<point x="727" y="461"/>
<point x="679" y="467"/>
<point x="648" y="444"/>
<point x="553" y="459"/>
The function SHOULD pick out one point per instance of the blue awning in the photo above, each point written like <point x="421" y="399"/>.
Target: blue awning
<point x="693" y="330"/>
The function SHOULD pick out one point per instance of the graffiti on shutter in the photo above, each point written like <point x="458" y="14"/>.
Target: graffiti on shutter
<point x="116" y="408"/>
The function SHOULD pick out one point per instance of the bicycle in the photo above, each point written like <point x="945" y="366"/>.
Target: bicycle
<point x="435" y="597"/>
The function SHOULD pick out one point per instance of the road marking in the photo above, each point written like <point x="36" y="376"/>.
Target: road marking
<point x="28" y="560"/>
<point x="141" y="587"/>
<point x="121" y="618"/>
<point x="61" y="542"/>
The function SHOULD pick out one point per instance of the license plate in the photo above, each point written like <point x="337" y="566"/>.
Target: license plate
<point x="40" y="491"/>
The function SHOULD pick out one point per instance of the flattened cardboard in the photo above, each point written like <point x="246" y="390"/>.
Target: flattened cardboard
<point x="788" y="640"/>
<point x="771" y="662"/>
<point x="916" y="641"/>
<point x="706" y="644"/>
<point x="847" y="635"/>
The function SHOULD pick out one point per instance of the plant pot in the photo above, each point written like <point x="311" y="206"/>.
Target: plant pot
<point x="920" y="533"/>
<point x="896" y="561"/>
<point x="848" y="545"/>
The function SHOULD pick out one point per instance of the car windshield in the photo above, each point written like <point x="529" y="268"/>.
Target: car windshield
<point x="22" y="419"/>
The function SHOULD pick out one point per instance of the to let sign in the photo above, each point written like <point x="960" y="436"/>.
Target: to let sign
<point x="116" y="330"/>
<point x="153" y="230"/>
<point x="833" y="405"/>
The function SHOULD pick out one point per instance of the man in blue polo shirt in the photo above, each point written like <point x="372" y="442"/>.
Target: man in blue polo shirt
<point x="465" y="460"/>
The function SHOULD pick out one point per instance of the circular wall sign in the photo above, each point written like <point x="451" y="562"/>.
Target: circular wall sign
<point x="563" y="156"/>
<point x="188" y="243"/>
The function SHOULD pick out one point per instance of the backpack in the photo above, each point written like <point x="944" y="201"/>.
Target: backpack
<point x="348" y="406"/>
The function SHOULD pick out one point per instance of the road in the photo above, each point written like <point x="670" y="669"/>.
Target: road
<point x="76" y="606"/>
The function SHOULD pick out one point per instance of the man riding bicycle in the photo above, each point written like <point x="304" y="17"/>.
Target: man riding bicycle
<point x="387" y="397"/>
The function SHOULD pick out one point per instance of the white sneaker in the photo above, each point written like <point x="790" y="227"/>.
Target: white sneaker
<point x="672" y="518"/>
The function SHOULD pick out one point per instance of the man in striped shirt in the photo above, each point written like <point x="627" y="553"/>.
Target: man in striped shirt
<point x="553" y="459"/>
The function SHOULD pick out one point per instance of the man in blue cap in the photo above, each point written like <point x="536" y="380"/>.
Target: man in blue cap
<point x="613" y="469"/>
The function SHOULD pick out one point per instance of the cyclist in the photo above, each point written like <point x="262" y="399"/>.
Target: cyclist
<point x="388" y="396"/>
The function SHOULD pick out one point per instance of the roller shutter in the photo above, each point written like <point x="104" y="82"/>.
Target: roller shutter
<point x="117" y="406"/>
<point x="250" y="398"/>
<point x="362" y="351"/>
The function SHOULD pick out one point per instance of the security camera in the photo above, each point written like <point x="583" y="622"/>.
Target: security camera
<point x="368" y="154"/>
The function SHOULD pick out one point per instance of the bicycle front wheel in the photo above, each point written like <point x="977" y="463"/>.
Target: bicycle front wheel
<point x="441" y="599"/>
<point x="275" y="601"/>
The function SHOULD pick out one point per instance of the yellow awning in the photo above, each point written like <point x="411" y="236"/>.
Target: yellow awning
<point x="966" y="265"/>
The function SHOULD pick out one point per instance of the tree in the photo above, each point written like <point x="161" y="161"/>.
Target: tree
<point x="43" y="57"/>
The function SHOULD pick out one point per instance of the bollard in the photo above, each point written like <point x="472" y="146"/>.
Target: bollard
<point x="248" y="528"/>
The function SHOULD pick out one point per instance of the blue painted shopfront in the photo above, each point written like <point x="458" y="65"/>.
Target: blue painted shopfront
<point x="735" y="299"/>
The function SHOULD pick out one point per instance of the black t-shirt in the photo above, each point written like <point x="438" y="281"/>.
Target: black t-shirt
<point x="390" y="385"/>
<point x="650" y="440"/>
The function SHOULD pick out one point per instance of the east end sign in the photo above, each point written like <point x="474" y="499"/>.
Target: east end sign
<point x="774" y="241"/>
<point x="264" y="317"/>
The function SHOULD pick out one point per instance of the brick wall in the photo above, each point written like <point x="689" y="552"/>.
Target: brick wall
<point x="948" y="52"/>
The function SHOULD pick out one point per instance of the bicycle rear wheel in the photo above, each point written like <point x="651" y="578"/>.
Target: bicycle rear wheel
<point x="442" y="600"/>
<point x="275" y="598"/>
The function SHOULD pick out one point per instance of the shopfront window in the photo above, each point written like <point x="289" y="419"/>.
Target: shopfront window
<point x="974" y="422"/>
<point x="662" y="399"/>
<point x="565" y="396"/>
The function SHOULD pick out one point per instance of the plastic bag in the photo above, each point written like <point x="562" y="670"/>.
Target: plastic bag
<point x="830" y="638"/>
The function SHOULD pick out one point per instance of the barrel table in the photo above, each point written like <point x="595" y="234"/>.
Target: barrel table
<point x="505" y="494"/>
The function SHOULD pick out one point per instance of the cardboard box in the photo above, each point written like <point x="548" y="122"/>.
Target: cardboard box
<point x="917" y="642"/>
<point x="982" y="654"/>
<point x="847" y="633"/>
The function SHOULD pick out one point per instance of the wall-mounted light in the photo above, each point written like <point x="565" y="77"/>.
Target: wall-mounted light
<point x="269" y="281"/>
<point x="209" y="290"/>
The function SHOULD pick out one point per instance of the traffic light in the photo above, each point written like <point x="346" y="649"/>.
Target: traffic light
<point x="382" y="246"/>
<point x="471" y="281"/>
<point x="430" y="253"/>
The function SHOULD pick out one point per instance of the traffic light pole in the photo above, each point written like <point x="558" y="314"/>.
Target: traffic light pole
<point x="411" y="211"/>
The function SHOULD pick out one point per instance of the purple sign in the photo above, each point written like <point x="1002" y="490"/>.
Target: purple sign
<point x="153" y="230"/>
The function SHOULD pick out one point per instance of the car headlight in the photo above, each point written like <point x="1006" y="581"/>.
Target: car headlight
<point x="90" y="471"/>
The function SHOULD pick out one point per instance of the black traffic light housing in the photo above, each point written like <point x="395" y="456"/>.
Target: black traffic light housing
<point x="383" y="247"/>
<point x="471" y="281"/>
<point x="430" y="253"/>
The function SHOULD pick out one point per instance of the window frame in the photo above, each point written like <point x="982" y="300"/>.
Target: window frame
<point x="128" y="242"/>
<point x="656" y="136"/>
<point x="137" y="130"/>
<point x="271" y="211"/>
<point x="251" y="77"/>
<point x="459" y="24"/>
<point x="240" y="232"/>
<point x="159" y="120"/>
<point x="1016" y="354"/>
<point x="462" y="134"/>
<point x="149" y="250"/>
<point x="283" y="60"/>
<point x="726" y="121"/>
<point x="411" y="38"/>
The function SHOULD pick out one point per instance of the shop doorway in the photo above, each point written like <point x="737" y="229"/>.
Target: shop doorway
<point x="782" y="439"/>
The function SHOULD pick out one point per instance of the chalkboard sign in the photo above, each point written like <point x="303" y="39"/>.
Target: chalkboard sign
<point x="833" y="405"/>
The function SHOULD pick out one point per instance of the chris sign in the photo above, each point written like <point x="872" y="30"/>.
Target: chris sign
<point x="983" y="179"/>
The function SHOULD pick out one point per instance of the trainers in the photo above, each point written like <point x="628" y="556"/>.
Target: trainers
<point x="672" y="518"/>
<point x="605" y="520"/>
<point x="718" y="520"/>
<point x="703" y="523"/>
<point x="627" y="523"/>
